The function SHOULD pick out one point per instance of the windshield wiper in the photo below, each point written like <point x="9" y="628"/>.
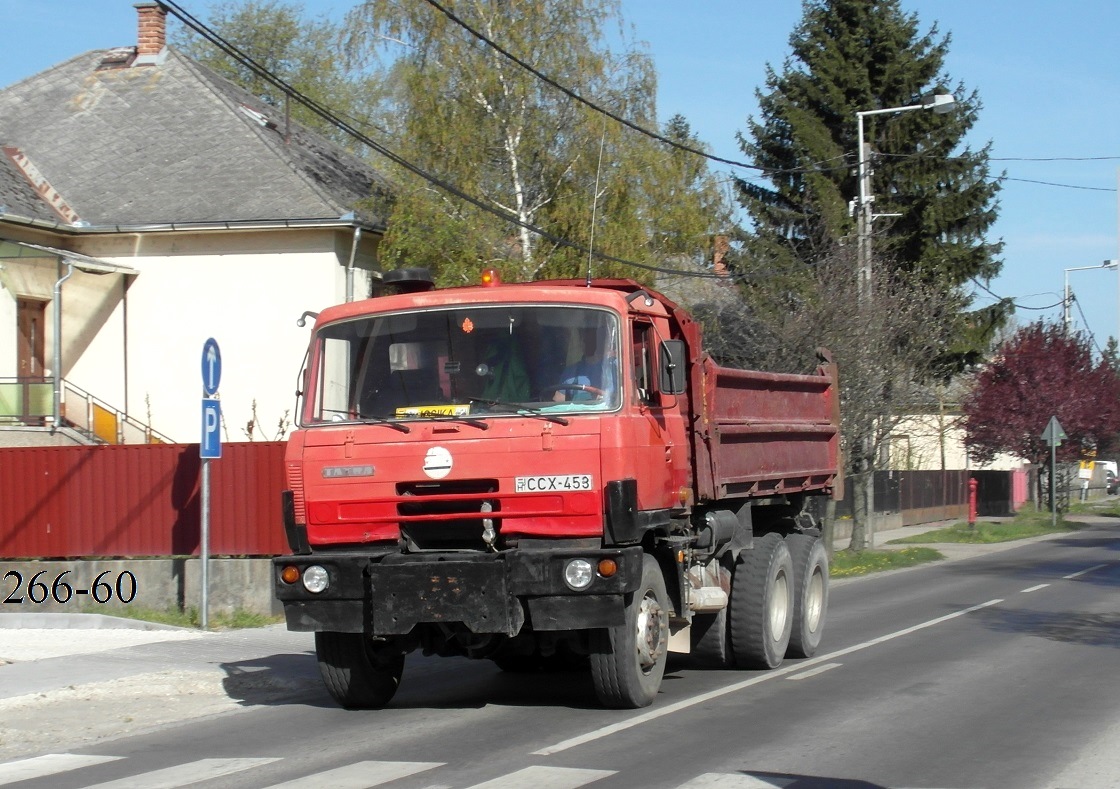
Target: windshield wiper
<point x="379" y="420"/>
<point x="465" y="419"/>
<point x="521" y="408"/>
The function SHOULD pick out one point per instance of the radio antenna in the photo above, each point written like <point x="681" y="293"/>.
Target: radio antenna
<point x="595" y="202"/>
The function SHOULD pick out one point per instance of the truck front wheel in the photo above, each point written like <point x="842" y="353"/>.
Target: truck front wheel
<point x="810" y="595"/>
<point x="358" y="673"/>
<point x="761" y="606"/>
<point x="628" y="661"/>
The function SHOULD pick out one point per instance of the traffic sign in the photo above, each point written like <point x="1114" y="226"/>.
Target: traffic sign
<point x="211" y="444"/>
<point x="211" y="367"/>
<point x="1053" y="434"/>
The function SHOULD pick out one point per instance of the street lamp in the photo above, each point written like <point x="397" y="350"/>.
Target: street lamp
<point x="940" y="103"/>
<point x="1067" y="299"/>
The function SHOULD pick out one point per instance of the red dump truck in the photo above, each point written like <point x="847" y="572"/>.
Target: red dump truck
<point x="549" y="475"/>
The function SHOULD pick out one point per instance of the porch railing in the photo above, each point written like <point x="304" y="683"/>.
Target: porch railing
<point x="25" y="401"/>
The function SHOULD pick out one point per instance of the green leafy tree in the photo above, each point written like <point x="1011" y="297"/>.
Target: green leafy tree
<point x="305" y="53"/>
<point x="857" y="55"/>
<point x="478" y="122"/>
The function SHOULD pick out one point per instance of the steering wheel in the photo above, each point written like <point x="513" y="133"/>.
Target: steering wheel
<point x="594" y="391"/>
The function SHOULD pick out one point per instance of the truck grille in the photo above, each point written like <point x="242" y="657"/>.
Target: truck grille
<point x="440" y="516"/>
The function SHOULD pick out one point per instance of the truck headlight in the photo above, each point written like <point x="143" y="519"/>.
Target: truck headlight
<point x="316" y="579"/>
<point x="578" y="574"/>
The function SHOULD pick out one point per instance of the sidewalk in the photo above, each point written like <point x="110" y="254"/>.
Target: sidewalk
<point x="44" y="652"/>
<point x="71" y="680"/>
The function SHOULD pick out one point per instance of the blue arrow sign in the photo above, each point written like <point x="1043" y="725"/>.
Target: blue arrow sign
<point x="211" y="444"/>
<point x="211" y="367"/>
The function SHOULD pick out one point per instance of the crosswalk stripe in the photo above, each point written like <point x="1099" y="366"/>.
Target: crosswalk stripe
<point x="52" y="763"/>
<point x="184" y="774"/>
<point x="545" y="778"/>
<point x="734" y="781"/>
<point x="360" y="775"/>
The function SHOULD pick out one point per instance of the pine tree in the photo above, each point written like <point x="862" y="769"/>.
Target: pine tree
<point x="850" y="56"/>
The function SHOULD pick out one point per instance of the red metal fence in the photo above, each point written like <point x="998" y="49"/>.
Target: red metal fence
<point x="139" y="500"/>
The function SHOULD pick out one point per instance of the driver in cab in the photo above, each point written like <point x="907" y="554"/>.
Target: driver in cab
<point x="591" y="377"/>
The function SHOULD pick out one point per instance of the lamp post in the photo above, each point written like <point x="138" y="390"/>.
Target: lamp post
<point x="940" y="103"/>
<point x="1067" y="295"/>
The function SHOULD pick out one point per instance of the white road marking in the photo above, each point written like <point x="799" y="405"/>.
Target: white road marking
<point x="1094" y="568"/>
<point x="184" y="774"/>
<point x="735" y="781"/>
<point x="669" y="709"/>
<point x="545" y="778"/>
<point x="814" y="671"/>
<point x="359" y="775"/>
<point x="1033" y="588"/>
<point x="50" y="764"/>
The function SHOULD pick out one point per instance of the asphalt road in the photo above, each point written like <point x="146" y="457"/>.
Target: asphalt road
<point x="995" y="671"/>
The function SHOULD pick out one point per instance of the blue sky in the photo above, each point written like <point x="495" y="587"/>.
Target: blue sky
<point x="1048" y="74"/>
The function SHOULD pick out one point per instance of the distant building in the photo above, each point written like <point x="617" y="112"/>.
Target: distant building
<point x="147" y="204"/>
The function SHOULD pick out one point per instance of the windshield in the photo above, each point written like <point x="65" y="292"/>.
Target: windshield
<point x="466" y="361"/>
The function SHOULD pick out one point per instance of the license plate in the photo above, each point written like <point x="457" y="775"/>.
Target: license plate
<point x="551" y="484"/>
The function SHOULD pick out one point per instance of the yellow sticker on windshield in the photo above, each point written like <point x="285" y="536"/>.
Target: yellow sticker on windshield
<point x="425" y="411"/>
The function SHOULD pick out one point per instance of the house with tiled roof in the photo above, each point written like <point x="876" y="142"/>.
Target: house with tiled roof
<point x="146" y="205"/>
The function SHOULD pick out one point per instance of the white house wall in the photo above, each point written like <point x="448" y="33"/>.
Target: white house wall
<point x="918" y="442"/>
<point x="248" y="302"/>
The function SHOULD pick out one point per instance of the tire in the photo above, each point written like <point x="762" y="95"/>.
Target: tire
<point x="628" y="661"/>
<point x="761" y="607"/>
<point x="358" y="674"/>
<point x="710" y="644"/>
<point x="810" y="594"/>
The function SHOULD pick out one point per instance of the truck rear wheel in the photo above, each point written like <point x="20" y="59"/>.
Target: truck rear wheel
<point x="358" y="674"/>
<point x="628" y="661"/>
<point x="810" y="594"/>
<point x="761" y="606"/>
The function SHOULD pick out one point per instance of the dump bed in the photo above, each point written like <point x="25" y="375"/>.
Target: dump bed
<point x="763" y="434"/>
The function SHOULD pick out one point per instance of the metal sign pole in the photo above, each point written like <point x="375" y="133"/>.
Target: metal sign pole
<point x="210" y="447"/>
<point x="1053" y="435"/>
<point x="204" y="549"/>
<point x="1053" y="485"/>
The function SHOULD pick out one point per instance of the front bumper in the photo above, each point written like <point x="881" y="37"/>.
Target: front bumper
<point x="488" y="593"/>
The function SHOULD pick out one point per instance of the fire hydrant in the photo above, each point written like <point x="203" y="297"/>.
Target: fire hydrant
<point x="972" y="485"/>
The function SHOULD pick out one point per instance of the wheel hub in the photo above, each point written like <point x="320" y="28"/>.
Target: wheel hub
<point x="652" y="627"/>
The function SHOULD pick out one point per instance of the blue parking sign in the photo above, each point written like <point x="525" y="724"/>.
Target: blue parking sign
<point x="211" y="445"/>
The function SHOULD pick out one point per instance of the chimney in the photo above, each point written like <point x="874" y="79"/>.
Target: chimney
<point x="721" y="246"/>
<point x="152" y="33"/>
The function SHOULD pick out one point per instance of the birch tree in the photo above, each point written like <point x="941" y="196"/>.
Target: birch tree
<point x="479" y="122"/>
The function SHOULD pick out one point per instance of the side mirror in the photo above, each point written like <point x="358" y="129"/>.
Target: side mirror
<point x="671" y="366"/>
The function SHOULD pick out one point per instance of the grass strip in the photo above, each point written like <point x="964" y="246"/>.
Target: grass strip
<point x="845" y="564"/>
<point x="220" y="620"/>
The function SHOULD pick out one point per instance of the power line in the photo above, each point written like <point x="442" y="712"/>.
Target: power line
<point x="1050" y="183"/>
<point x="1089" y="331"/>
<point x="1012" y="302"/>
<point x="629" y="124"/>
<point x="327" y="115"/>
<point x="814" y="167"/>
